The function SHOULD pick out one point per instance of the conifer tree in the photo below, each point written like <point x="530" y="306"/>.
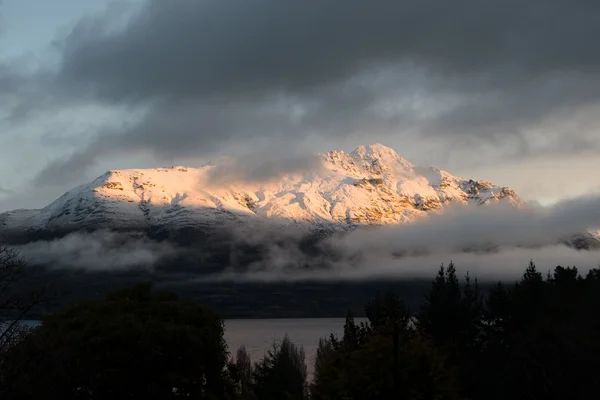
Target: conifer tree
<point x="243" y="367"/>
<point x="281" y="373"/>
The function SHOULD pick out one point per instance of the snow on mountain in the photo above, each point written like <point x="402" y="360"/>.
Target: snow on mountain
<point x="371" y="185"/>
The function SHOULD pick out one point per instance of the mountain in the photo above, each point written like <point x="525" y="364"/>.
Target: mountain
<point x="188" y="224"/>
<point x="371" y="185"/>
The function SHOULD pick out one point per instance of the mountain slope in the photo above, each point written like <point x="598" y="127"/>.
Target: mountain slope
<point x="371" y="185"/>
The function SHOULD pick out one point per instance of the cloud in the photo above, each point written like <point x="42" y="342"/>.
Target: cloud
<point x="503" y="76"/>
<point x="467" y="227"/>
<point x="5" y="192"/>
<point x="505" y="265"/>
<point x="462" y="86"/>
<point x="491" y="242"/>
<point x="97" y="251"/>
<point x="221" y="49"/>
<point x="263" y="166"/>
<point x="169" y="130"/>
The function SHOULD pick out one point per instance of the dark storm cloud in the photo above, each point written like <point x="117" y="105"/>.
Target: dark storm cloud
<point x="191" y="128"/>
<point x="216" y="73"/>
<point x="215" y="48"/>
<point x="11" y="86"/>
<point x="26" y="94"/>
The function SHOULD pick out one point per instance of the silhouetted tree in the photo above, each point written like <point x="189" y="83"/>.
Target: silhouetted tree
<point x="351" y="338"/>
<point x="539" y="337"/>
<point x="136" y="343"/>
<point x="442" y="309"/>
<point x="389" y="361"/>
<point x="386" y="312"/>
<point x="535" y="339"/>
<point x="15" y="303"/>
<point x="593" y="274"/>
<point x="244" y="366"/>
<point x="324" y="351"/>
<point x="240" y="371"/>
<point x="531" y="276"/>
<point x="495" y="346"/>
<point x="281" y="373"/>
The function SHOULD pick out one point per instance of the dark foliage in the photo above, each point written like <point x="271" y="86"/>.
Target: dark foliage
<point x="15" y="304"/>
<point x="385" y="358"/>
<point x="281" y="374"/>
<point x="535" y="339"/>
<point x="244" y="369"/>
<point x="542" y="336"/>
<point x="135" y="344"/>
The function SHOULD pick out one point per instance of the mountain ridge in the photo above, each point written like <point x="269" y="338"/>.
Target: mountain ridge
<point x="372" y="185"/>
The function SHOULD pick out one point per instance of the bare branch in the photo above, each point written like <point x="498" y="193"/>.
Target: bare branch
<point x="15" y="303"/>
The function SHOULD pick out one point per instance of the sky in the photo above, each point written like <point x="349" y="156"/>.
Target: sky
<point x="506" y="91"/>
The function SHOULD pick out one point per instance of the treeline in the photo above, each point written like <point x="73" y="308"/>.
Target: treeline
<point x="536" y="338"/>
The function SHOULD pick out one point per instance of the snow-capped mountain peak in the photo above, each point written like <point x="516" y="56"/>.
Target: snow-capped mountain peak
<point x="371" y="185"/>
<point x="375" y="159"/>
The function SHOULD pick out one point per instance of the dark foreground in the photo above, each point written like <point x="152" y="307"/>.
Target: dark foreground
<point x="535" y="339"/>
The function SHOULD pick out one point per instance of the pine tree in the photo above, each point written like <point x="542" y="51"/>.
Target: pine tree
<point x="497" y="306"/>
<point x="243" y="365"/>
<point x="281" y="373"/>
<point x="387" y="312"/>
<point x="593" y="274"/>
<point x="324" y="350"/>
<point x="531" y="275"/>
<point x="351" y="332"/>
<point x="443" y="308"/>
<point x="432" y="310"/>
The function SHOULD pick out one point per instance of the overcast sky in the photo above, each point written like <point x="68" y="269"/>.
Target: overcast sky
<point x="502" y="90"/>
